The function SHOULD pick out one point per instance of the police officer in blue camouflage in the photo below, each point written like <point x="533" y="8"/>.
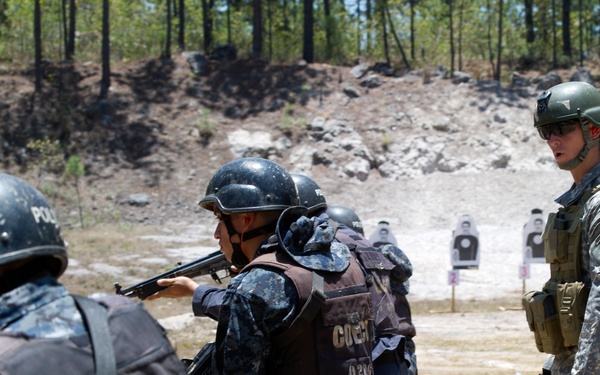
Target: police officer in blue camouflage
<point x="388" y="270"/>
<point x="567" y="117"/>
<point x="43" y="330"/>
<point x="299" y="304"/>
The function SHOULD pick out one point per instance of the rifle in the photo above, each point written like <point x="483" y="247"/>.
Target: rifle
<point x="208" y="265"/>
<point x="200" y="365"/>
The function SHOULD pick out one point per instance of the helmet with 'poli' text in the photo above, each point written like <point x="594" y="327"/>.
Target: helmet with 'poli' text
<point x="346" y="216"/>
<point x="309" y="193"/>
<point x="28" y="226"/>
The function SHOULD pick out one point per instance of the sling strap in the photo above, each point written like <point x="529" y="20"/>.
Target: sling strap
<point x="96" y="320"/>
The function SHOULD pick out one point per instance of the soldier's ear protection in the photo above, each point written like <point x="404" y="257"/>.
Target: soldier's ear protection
<point x="594" y="131"/>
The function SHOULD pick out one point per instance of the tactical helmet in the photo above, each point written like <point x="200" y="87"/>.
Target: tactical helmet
<point x="28" y="226"/>
<point x="346" y="216"/>
<point x="250" y="185"/>
<point x="310" y="194"/>
<point x="568" y="101"/>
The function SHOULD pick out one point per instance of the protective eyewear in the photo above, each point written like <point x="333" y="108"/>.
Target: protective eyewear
<point x="558" y="129"/>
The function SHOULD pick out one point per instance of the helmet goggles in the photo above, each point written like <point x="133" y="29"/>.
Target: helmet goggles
<point x="559" y="129"/>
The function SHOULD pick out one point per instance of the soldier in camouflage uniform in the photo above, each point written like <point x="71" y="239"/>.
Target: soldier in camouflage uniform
<point x="291" y="266"/>
<point x="42" y="328"/>
<point x="567" y="117"/>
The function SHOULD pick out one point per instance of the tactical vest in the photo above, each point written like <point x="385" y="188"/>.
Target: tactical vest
<point x="392" y="310"/>
<point x="339" y="339"/>
<point x="556" y="313"/>
<point x="140" y="347"/>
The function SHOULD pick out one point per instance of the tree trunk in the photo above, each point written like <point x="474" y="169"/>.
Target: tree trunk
<point x="489" y="39"/>
<point x="412" y="29"/>
<point x="398" y="44"/>
<point x="70" y="51"/>
<point x="499" y="54"/>
<point x="270" y="19"/>
<point x="63" y="14"/>
<point x="581" y="26"/>
<point x="386" y="48"/>
<point x="308" y="45"/>
<point x="37" y="37"/>
<point x="105" y="80"/>
<point x="207" y="24"/>
<point x="451" y="26"/>
<point x="530" y="33"/>
<point x="328" y="31"/>
<point x="229" y="22"/>
<point x="566" y="25"/>
<point x="167" y="52"/>
<point x="369" y="18"/>
<point x="460" y="29"/>
<point x="181" y="35"/>
<point x="257" y="29"/>
<point x="358" y="29"/>
<point x="554" y="37"/>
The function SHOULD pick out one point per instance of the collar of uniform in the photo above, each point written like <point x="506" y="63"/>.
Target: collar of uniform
<point x="574" y="194"/>
<point x="29" y="297"/>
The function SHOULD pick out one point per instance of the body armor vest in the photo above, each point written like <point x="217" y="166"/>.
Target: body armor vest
<point x="556" y="313"/>
<point x="340" y="337"/>
<point x="392" y="311"/>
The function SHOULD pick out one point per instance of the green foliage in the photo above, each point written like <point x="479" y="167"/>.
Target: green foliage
<point x="138" y="30"/>
<point x="46" y="155"/>
<point x="74" y="168"/>
<point x="205" y="126"/>
<point x="288" y="121"/>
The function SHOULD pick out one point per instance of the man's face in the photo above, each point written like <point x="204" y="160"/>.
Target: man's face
<point x="566" y="147"/>
<point x="221" y="234"/>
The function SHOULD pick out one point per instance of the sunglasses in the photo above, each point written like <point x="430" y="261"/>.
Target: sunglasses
<point x="558" y="129"/>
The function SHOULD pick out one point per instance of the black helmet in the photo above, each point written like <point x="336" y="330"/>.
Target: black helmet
<point x="28" y="226"/>
<point x="250" y="185"/>
<point x="346" y="216"/>
<point x="309" y="193"/>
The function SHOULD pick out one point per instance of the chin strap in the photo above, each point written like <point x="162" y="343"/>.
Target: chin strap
<point x="239" y="258"/>
<point x="589" y="143"/>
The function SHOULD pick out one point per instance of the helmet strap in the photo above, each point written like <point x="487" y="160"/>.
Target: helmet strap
<point x="239" y="258"/>
<point x="589" y="143"/>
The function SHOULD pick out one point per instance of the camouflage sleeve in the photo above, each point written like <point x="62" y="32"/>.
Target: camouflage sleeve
<point x="261" y="303"/>
<point x="587" y="359"/>
<point x="403" y="270"/>
<point x="207" y="301"/>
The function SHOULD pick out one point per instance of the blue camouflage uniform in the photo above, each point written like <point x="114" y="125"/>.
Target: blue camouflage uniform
<point x="586" y="360"/>
<point x="262" y="302"/>
<point x="40" y="308"/>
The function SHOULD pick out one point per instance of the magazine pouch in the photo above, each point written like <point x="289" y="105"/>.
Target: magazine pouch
<point x="543" y="321"/>
<point x="572" y="299"/>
